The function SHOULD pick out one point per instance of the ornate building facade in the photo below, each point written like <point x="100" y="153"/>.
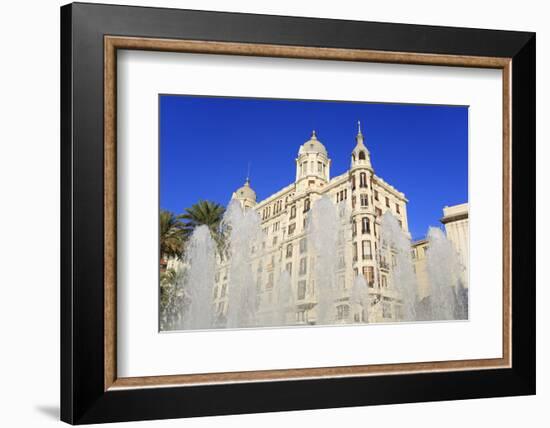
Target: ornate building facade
<point x="285" y="246"/>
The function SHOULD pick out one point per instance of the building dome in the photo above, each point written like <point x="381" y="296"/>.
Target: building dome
<point x="313" y="145"/>
<point x="245" y="192"/>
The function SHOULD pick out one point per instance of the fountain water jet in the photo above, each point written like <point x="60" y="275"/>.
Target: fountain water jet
<point x="396" y="247"/>
<point x="285" y="299"/>
<point x="199" y="280"/>
<point x="323" y="225"/>
<point x="359" y="299"/>
<point x="444" y="273"/>
<point x="243" y="232"/>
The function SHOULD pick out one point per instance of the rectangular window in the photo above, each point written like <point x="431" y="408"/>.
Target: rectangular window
<point x="303" y="266"/>
<point x="291" y="229"/>
<point x="289" y="248"/>
<point x="301" y="290"/>
<point x="376" y="195"/>
<point x="342" y="312"/>
<point x="362" y="180"/>
<point x="397" y="209"/>
<point x="274" y="240"/>
<point x="364" y="200"/>
<point x="293" y="211"/>
<point x="303" y="245"/>
<point x="341" y="261"/>
<point x="387" y="202"/>
<point x="384" y="281"/>
<point x="365" y="225"/>
<point x="289" y="268"/>
<point x="368" y="273"/>
<point x="320" y="167"/>
<point x="367" y="250"/>
<point x="378" y="212"/>
<point x="354" y="251"/>
<point x="341" y="282"/>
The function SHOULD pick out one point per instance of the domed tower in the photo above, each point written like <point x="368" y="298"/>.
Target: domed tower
<point x="245" y="195"/>
<point x="313" y="163"/>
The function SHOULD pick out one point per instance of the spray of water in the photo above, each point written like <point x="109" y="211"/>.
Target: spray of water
<point x="444" y="273"/>
<point x="242" y="230"/>
<point x="360" y="300"/>
<point x="322" y="229"/>
<point x="200" y="259"/>
<point x="285" y="300"/>
<point x="395" y="250"/>
<point x="326" y="223"/>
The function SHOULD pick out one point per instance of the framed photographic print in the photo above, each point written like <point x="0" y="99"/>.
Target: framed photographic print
<point x="265" y="213"/>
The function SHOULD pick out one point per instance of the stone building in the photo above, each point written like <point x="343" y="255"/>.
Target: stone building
<point x="455" y="219"/>
<point x="366" y="197"/>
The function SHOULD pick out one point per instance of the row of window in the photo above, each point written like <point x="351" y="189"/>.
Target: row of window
<point x="368" y="273"/>
<point x="276" y="207"/>
<point x="304" y="170"/>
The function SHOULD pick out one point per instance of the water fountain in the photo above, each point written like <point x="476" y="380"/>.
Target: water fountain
<point x="322" y="230"/>
<point x="327" y="227"/>
<point x="359" y="300"/>
<point x="242" y="231"/>
<point x="444" y="273"/>
<point x="285" y="300"/>
<point x="199" y="279"/>
<point x="395" y="246"/>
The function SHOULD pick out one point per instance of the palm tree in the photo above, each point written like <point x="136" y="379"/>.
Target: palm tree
<point x="205" y="213"/>
<point x="172" y="235"/>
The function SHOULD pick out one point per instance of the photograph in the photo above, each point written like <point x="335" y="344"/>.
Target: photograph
<point x="293" y="213"/>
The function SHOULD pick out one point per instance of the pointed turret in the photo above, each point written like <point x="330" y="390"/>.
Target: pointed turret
<point x="360" y="157"/>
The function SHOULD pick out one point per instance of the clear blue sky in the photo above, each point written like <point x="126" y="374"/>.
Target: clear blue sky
<point x="206" y="144"/>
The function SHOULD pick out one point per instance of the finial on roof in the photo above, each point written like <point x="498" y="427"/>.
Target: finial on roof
<point x="248" y="174"/>
<point x="359" y="127"/>
<point x="313" y="135"/>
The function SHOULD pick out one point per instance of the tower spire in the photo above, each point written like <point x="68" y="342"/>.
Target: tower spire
<point x="359" y="137"/>
<point x="248" y="173"/>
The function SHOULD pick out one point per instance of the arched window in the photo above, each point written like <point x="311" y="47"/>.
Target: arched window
<point x="361" y="155"/>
